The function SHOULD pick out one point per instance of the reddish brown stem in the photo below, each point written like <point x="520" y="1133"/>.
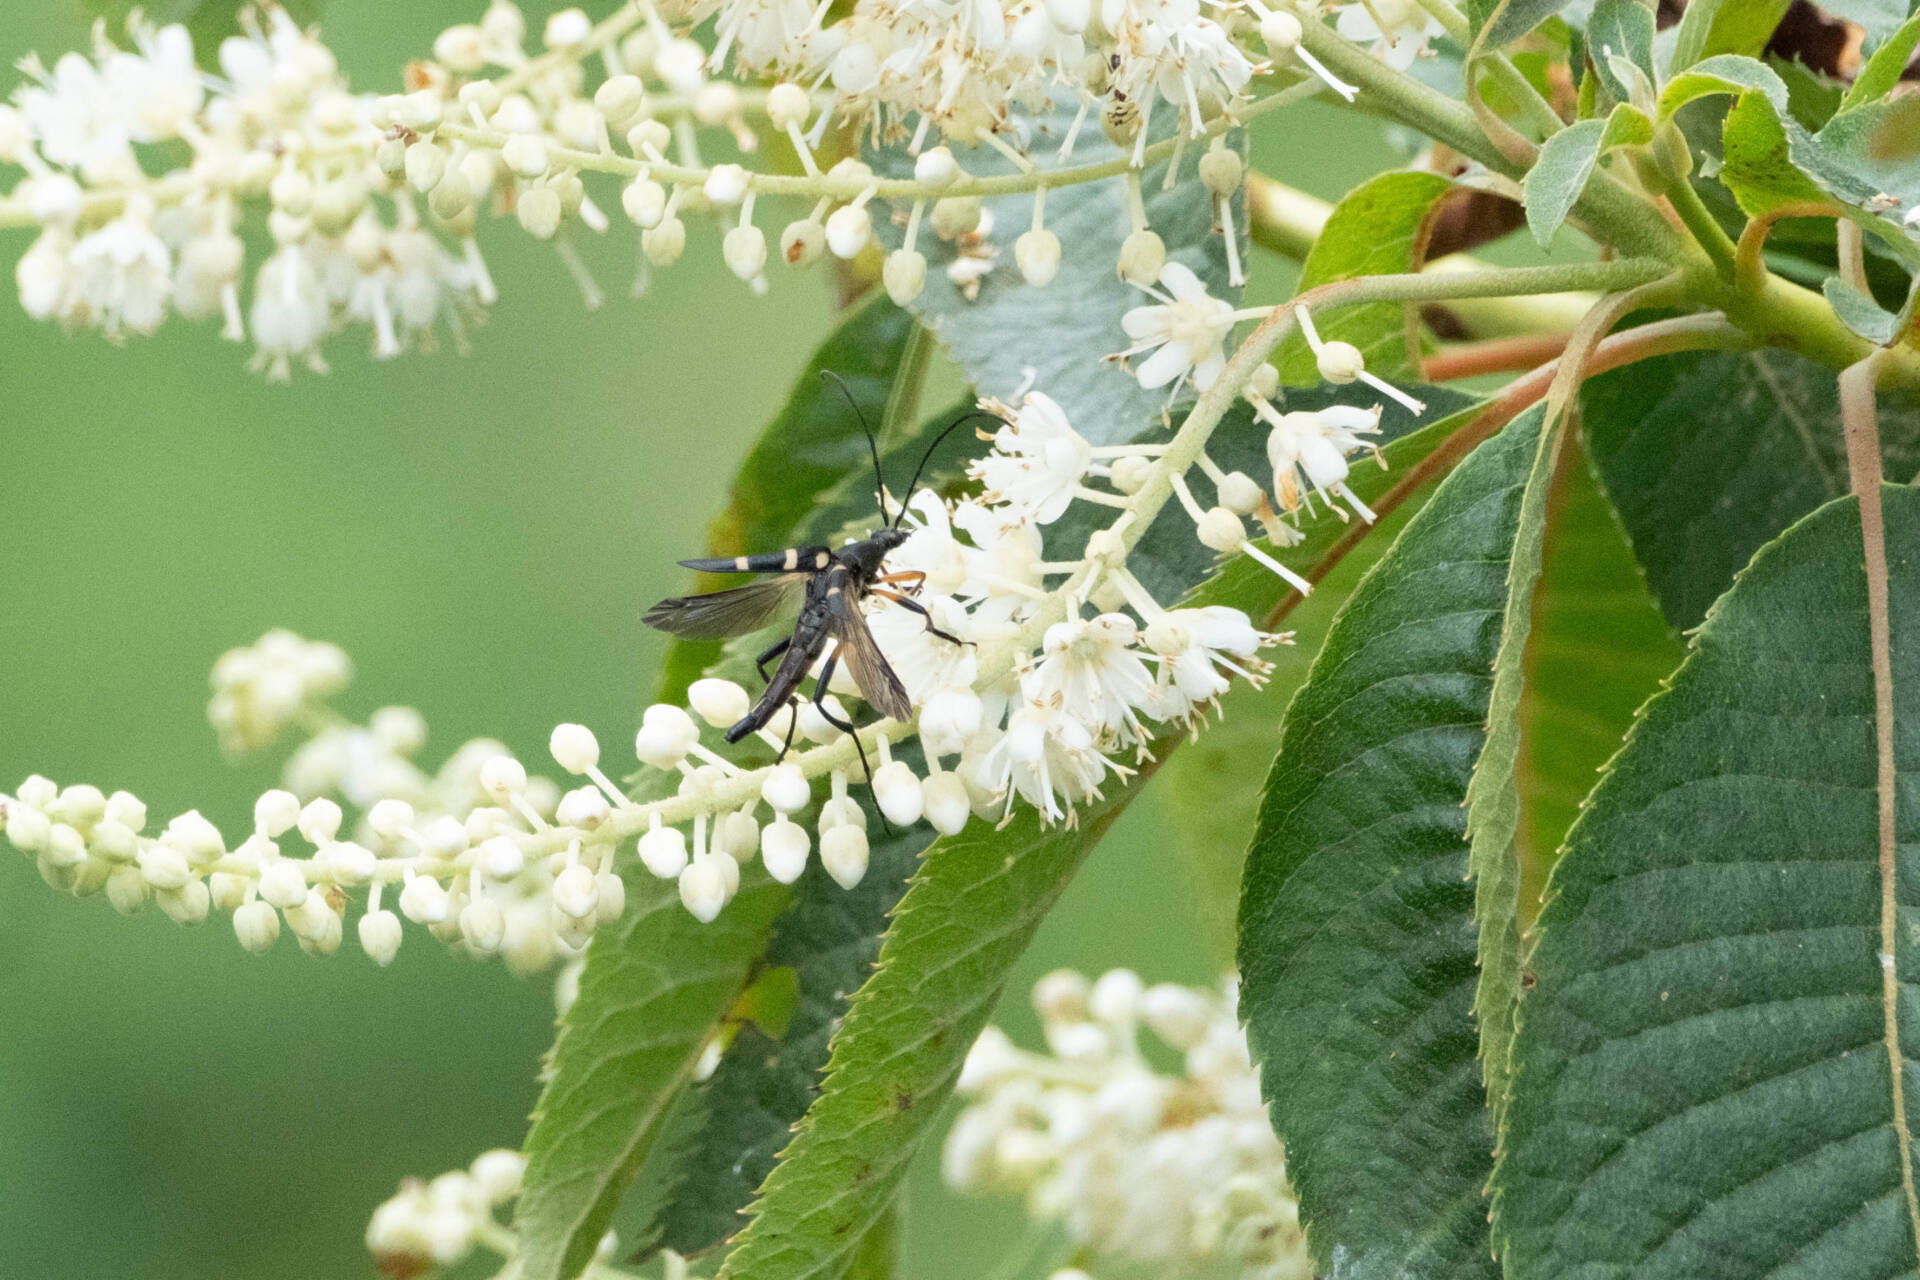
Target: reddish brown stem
<point x="1496" y="355"/>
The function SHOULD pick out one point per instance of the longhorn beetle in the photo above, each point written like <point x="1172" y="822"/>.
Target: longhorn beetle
<point x="828" y="586"/>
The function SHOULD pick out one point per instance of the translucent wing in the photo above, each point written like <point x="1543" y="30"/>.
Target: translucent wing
<point x="862" y="657"/>
<point x="719" y="614"/>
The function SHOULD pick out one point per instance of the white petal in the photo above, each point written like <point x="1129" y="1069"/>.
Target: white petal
<point x="1181" y="282"/>
<point x="1164" y="365"/>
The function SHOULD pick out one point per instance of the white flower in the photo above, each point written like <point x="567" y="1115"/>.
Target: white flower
<point x="1312" y="446"/>
<point x="289" y="313"/>
<point x="925" y="662"/>
<point x="161" y="84"/>
<point x="1398" y="29"/>
<point x="1037" y="463"/>
<point x="1196" y="648"/>
<point x="122" y="277"/>
<point x="80" y="119"/>
<point x="1047" y="757"/>
<point x="1090" y="665"/>
<point x="1186" y="331"/>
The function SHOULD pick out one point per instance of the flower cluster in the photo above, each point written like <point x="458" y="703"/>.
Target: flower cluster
<point x="1030" y="681"/>
<point x="1143" y="1168"/>
<point x="371" y="203"/>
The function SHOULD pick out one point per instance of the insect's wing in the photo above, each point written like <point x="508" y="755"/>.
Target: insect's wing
<point x="862" y="657"/>
<point x="719" y="614"/>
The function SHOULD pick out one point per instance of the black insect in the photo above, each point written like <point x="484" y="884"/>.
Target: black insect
<point x="827" y="586"/>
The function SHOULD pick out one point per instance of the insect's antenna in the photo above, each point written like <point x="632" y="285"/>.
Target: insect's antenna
<point x="926" y="457"/>
<point x="873" y="446"/>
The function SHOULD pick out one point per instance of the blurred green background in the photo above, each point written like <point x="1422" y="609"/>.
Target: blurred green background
<point x="480" y="533"/>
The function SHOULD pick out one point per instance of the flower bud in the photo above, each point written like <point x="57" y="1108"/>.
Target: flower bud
<point x="497" y="1174"/>
<point x="388" y="817"/>
<point x="944" y="799"/>
<point x="1221" y="530"/>
<point x="502" y="776"/>
<point x="729" y="872"/>
<point x="703" y="889"/>
<point x="567" y="29"/>
<point x="1281" y="32"/>
<point x="391" y="157"/>
<point x="282" y="883"/>
<point x="648" y="136"/>
<point x="955" y="216"/>
<point x="783" y="849"/>
<point x="229" y="890"/>
<point x="786" y="789"/>
<point x="1265" y="382"/>
<point x="348" y="863"/>
<point x="65" y="847"/>
<point x="1222" y="171"/>
<point x="1115" y="995"/>
<point x="257" y="925"/>
<point x="1142" y="254"/>
<point x="855" y="68"/>
<point x="380" y="936"/>
<point x="620" y="98"/>
<point x="187" y="905"/>
<point x="163" y="867"/>
<point x="848" y="229"/>
<point x="1340" y="362"/>
<point x="719" y="702"/>
<point x="788" y="106"/>
<point x="645" y="201"/>
<point x="663" y="851"/>
<point x="461" y="49"/>
<point x="905" y="275"/>
<point x="726" y="184"/>
<point x="936" y="169"/>
<point x="126" y="889"/>
<point x="574" y="747"/>
<point x="576" y="891"/>
<point x="843" y="852"/>
<point x="745" y="251"/>
<point x="426" y="164"/>
<point x="1037" y="253"/>
<point x="1129" y="474"/>
<point x="28" y="828"/>
<point x="1239" y="493"/>
<point x="842" y="811"/>
<point x="802" y="243"/>
<point x="1177" y="1015"/>
<point x="737" y="835"/>
<point x="483" y="925"/>
<point x="126" y="809"/>
<point x="320" y="821"/>
<point x="666" y="735"/>
<point x="896" y="789"/>
<point x="664" y="244"/>
<point x="584" y="807"/>
<point x="1061" y="996"/>
<point x="424" y="901"/>
<point x="612" y="899"/>
<point x="539" y="211"/>
<point x="526" y="155"/>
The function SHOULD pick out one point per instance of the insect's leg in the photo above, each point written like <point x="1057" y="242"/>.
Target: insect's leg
<point x="844" y="726"/>
<point x="920" y="609"/>
<point x="760" y="663"/>
<point x="793" y="721"/>
<point x="912" y="579"/>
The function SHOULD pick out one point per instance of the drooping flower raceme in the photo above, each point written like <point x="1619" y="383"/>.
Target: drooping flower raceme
<point x="143" y="175"/>
<point x="1164" y="1171"/>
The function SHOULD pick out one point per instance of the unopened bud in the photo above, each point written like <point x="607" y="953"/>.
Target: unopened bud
<point x="539" y="212"/>
<point x="905" y="275"/>
<point x="1142" y="254"/>
<point x="956" y="216"/>
<point x="802" y="243"/>
<point x="1037" y="253"/>
<point x="745" y="251"/>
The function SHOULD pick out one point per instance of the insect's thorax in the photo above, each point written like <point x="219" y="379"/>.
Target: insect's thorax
<point x="863" y="559"/>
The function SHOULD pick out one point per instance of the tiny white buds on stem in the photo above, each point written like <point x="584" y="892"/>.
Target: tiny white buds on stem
<point x="574" y="748"/>
<point x="802" y="243"/>
<point x="726" y="184"/>
<point x="380" y="936"/>
<point x="944" y="799"/>
<point x="526" y="155"/>
<point x="843" y="852"/>
<point x="784" y="845"/>
<point x="576" y="891"/>
<point x="905" y="274"/>
<point x="620" y="98"/>
<point x="663" y="850"/>
<point x="257" y="925"/>
<point x="956" y="216"/>
<point x="788" y="106"/>
<point x="786" y="789"/>
<point x="1142" y="255"/>
<point x="848" y="230"/>
<point x="503" y="776"/>
<point x="703" y="888"/>
<point x="936" y="169"/>
<point x="720" y="703"/>
<point x="666" y="735"/>
<point x="745" y="251"/>
<point x="644" y="201"/>
<point x="1037" y="253"/>
<point x="897" y="790"/>
<point x="539" y="211"/>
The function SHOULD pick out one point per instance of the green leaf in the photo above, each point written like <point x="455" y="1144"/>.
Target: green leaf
<point x="1599" y="649"/>
<point x="812" y="445"/>
<point x="1860" y="313"/>
<point x="827" y="939"/>
<point x="1559" y="175"/>
<point x="1493" y="793"/>
<point x="653" y="987"/>
<point x="1704" y="1072"/>
<point x="1868" y="154"/>
<point x="1357" y="952"/>
<point x="1757" y="163"/>
<point x="964" y="921"/>
<point x="1620" y="29"/>
<point x="1498" y="22"/>
<point x="1711" y="27"/>
<point x="1378" y="228"/>
<point x="1708" y="455"/>
<point x="1882" y="71"/>
<point x="1725" y="74"/>
<point x="1812" y="97"/>
<point x="1015" y="335"/>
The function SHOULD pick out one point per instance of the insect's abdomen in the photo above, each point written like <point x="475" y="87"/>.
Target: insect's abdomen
<point x="801" y="559"/>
